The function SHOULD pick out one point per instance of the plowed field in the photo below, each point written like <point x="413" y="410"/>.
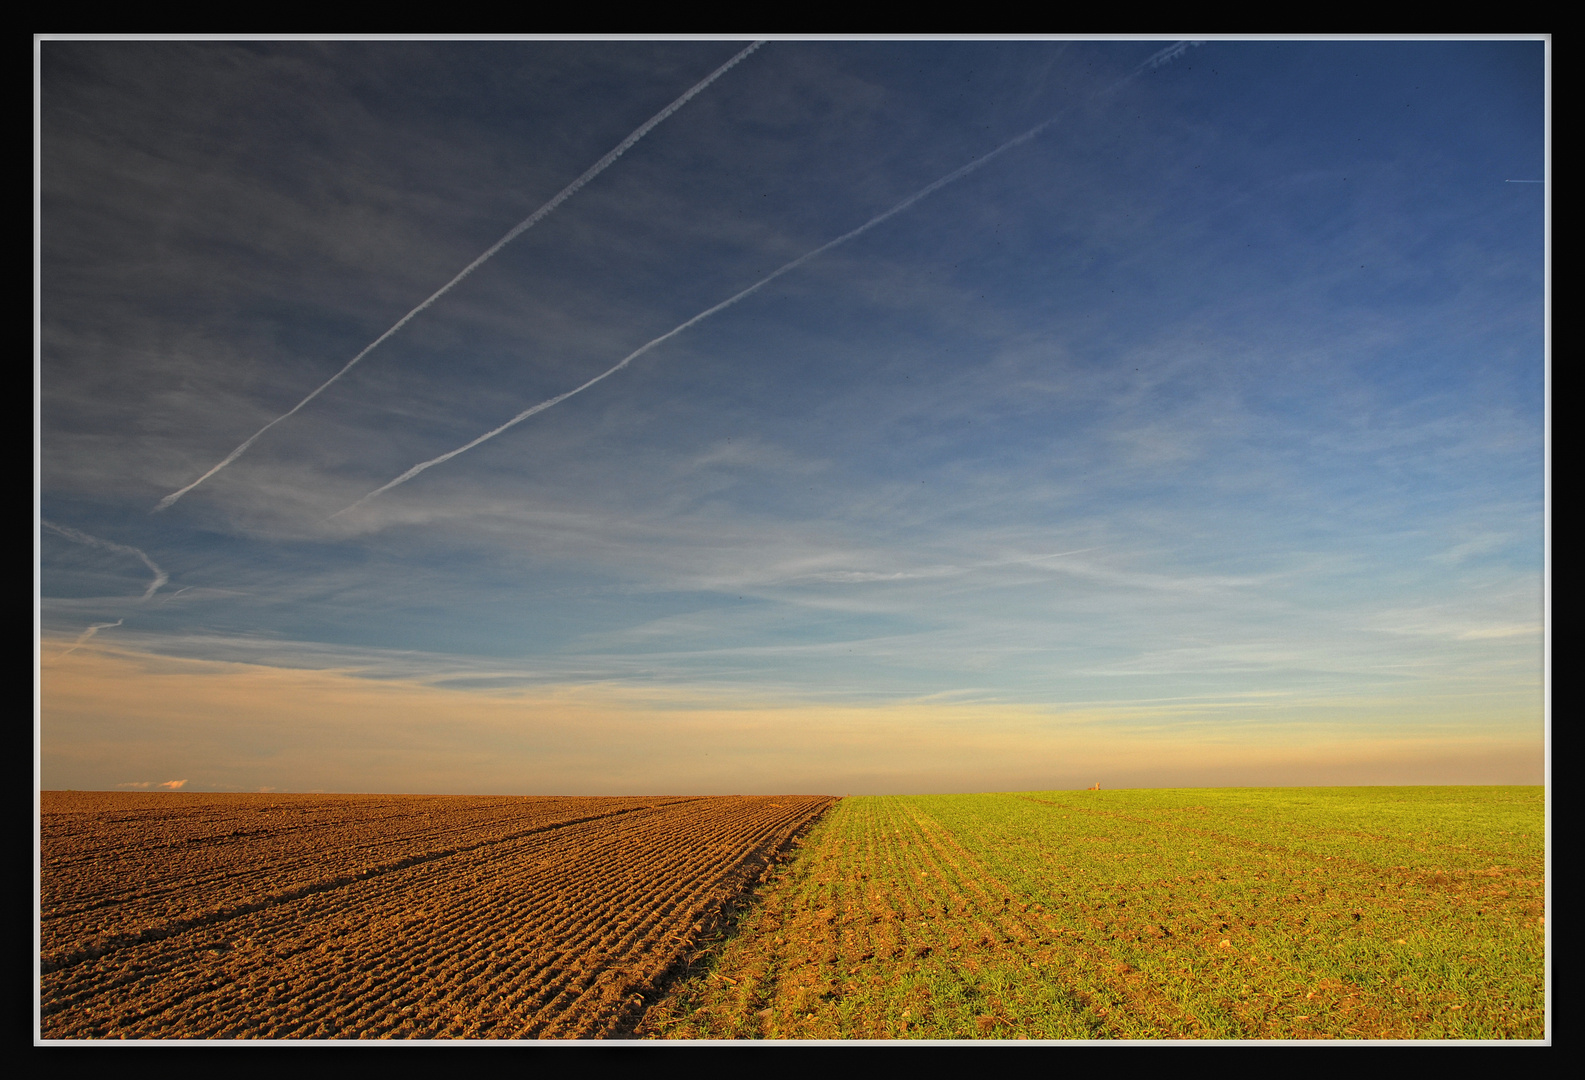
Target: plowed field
<point x="312" y="916"/>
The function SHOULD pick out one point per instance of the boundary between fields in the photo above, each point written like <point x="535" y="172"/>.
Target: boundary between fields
<point x="727" y="918"/>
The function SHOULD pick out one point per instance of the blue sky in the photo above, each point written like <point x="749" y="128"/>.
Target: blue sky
<point x="1213" y="413"/>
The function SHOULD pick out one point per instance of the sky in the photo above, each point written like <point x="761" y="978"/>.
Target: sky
<point x="1025" y="414"/>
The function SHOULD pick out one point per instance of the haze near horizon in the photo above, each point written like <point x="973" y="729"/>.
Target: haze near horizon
<point x="1192" y="435"/>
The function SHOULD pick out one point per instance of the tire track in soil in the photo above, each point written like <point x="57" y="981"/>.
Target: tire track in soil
<point x="263" y="863"/>
<point x="1123" y="987"/>
<point x="138" y="903"/>
<point x="98" y="948"/>
<point x="835" y="930"/>
<point x="501" y="940"/>
<point x="897" y="900"/>
<point x="730" y="880"/>
<point x="719" y="923"/>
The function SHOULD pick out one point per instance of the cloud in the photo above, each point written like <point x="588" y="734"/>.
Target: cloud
<point x="1488" y="609"/>
<point x="297" y="730"/>
<point x="786" y="268"/>
<point x="1171" y="53"/>
<point x="160" y="576"/>
<point x="838" y="494"/>
<point x="90" y="632"/>
<point x="527" y="223"/>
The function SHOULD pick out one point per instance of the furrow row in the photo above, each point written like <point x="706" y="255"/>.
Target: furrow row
<point x="246" y="861"/>
<point x="70" y="953"/>
<point x="556" y="934"/>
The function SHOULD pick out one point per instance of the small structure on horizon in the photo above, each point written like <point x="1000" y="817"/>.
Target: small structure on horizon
<point x="1094" y="787"/>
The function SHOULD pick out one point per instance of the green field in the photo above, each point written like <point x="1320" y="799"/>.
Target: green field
<point x="1287" y="913"/>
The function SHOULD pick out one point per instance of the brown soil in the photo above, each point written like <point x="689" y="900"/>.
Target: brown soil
<point x="191" y="916"/>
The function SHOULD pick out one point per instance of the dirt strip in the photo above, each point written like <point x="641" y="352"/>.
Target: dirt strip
<point x="317" y="917"/>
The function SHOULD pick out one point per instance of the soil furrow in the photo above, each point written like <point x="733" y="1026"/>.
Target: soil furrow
<point x="176" y="926"/>
<point x="558" y="930"/>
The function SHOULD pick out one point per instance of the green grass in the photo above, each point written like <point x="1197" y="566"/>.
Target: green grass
<point x="1393" y="913"/>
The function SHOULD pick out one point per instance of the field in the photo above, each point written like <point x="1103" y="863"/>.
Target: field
<point x="1299" y="913"/>
<point x="311" y="917"/>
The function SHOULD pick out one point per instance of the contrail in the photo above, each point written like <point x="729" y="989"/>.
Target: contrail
<point x="1170" y="53"/>
<point x="523" y="226"/>
<point x="160" y="576"/>
<point x="90" y="632"/>
<point x="1157" y="60"/>
<point x="1053" y="555"/>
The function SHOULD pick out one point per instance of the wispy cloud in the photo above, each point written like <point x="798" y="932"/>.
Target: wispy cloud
<point x="1171" y="53"/>
<point x="1018" y="140"/>
<point x="521" y="227"/>
<point x="77" y="536"/>
<point x="606" y="740"/>
<point x="1225" y="394"/>
<point x="90" y="632"/>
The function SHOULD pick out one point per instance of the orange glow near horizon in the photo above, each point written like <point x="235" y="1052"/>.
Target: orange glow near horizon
<point x="120" y="719"/>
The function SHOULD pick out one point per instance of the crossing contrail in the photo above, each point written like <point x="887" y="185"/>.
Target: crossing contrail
<point x="160" y="576"/>
<point x="1155" y="61"/>
<point x="523" y="226"/>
